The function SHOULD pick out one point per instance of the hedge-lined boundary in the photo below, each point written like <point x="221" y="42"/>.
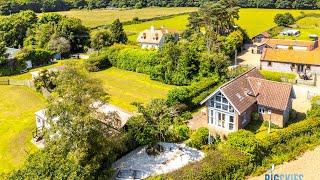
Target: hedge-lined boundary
<point x="136" y="20"/>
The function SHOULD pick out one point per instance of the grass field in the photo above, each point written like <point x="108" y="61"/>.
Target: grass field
<point x="125" y="87"/>
<point x="255" y="21"/>
<point x="94" y="18"/>
<point x="18" y="105"/>
<point x="307" y="26"/>
<point x="178" y="23"/>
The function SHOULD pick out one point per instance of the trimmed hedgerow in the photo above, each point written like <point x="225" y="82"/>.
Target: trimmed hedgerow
<point x="279" y="76"/>
<point x="192" y="95"/>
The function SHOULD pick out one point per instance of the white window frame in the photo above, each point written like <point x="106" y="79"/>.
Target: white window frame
<point x="233" y="123"/>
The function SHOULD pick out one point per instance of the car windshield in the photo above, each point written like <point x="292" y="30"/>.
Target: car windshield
<point x="138" y="174"/>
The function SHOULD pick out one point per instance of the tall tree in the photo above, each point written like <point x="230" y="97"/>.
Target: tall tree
<point x="218" y="20"/>
<point x="86" y="140"/>
<point x="117" y="32"/>
<point x="100" y="39"/>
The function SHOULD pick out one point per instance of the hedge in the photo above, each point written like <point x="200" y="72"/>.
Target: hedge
<point x="125" y="57"/>
<point x="192" y="95"/>
<point x="218" y="164"/>
<point x="279" y="76"/>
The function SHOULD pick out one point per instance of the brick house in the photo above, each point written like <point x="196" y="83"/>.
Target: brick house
<point x="229" y="108"/>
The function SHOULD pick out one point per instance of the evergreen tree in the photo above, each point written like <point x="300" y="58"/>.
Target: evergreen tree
<point x="117" y="32"/>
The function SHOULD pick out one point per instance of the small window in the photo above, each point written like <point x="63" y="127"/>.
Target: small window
<point x="308" y="67"/>
<point x="224" y="100"/>
<point x="231" y="122"/>
<point x="218" y="105"/>
<point x="225" y="107"/>
<point x="218" y="98"/>
<point x="262" y="110"/>
<point x="231" y="108"/>
<point x="270" y="64"/>
<point x="293" y="66"/>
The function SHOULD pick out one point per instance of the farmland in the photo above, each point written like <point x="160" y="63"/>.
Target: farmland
<point x="252" y="20"/>
<point x="18" y="105"/>
<point x="98" y="17"/>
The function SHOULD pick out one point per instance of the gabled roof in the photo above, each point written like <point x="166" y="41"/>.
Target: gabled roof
<point x="251" y="87"/>
<point x="153" y="35"/>
<point x="264" y="34"/>
<point x="270" y="93"/>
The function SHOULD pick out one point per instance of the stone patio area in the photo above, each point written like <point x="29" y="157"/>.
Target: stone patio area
<point x="200" y="120"/>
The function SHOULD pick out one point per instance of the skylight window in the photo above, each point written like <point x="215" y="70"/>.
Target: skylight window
<point x="239" y="96"/>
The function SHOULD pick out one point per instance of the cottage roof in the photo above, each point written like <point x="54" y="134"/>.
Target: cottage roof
<point x="251" y="87"/>
<point x="291" y="56"/>
<point x="153" y="35"/>
<point x="271" y="94"/>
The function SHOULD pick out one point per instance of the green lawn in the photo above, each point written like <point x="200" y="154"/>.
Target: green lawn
<point x="125" y="87"/>
<point x="98" y="17"/>
<point x="17" y="121"/>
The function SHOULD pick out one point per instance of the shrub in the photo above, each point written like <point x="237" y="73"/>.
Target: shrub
<point x="180" y="132"/>
<point x="199" y="138"/>
<point x="314" y="112"/>
<point x="38" y="57"/>
<point x="278" y="76"/>
<point x="246" y="142"/>
<point x="218" y="164"/>
<point x="97" y="62"/>
<point x="255" y="116"/>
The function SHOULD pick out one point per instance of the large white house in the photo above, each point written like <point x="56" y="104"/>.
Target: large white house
<point x="154" y="38"/>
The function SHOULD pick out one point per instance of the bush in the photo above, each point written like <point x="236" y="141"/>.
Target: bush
<point x="314" y="112"/>
<point x="38" y="57"/>
<point x="97" y="62"/>
<point x="246" y="142"/>
<point x="199" y="138"/>
<point x="279" y="76"/>
<point x="180" y="132"/>
<point x="218" y="164"/>
<point x="285" y="19"/>
<point x="192" y="95"/>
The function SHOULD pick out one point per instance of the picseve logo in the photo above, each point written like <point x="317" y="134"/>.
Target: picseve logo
<point x="282" y="176"/>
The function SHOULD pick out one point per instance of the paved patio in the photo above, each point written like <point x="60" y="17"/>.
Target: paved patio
<point x="200" y="120"/>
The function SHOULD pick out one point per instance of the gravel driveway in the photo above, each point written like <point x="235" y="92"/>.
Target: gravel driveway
<point x="308" y="164"/>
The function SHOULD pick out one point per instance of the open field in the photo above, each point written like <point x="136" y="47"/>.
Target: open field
<point x="255" y="21"/>
<point x="18" y="105"/>
<point x="97" y="17"/>
<point x="125" y="87"/>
